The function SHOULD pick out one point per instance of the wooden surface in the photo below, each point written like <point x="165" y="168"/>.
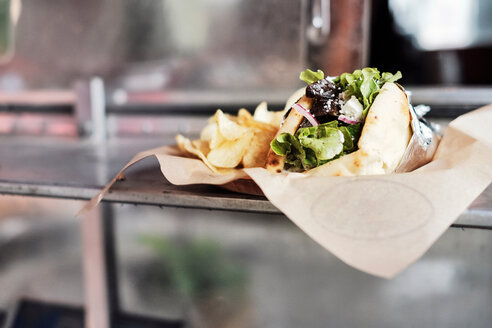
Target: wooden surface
<point x="77" y="170"/>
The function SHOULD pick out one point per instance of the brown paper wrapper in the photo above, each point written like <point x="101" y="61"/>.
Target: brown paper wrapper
<point x="377" y="224"/>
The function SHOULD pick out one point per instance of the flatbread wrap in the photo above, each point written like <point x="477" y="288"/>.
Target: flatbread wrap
<point x="353" y="124"/>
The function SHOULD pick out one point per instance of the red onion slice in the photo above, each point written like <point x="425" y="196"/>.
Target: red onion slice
<point x="347" y="120"/>
<point x="304" y="112"/>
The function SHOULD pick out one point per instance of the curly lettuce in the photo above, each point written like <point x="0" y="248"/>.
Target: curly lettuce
<point x="316" y="145"/>
<point x="309" y="76"/>
<point x="364" y="84"/>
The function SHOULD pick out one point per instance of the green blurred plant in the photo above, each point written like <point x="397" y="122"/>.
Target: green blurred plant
<point x="5" y="26"/>
<point x="196" y="268"/>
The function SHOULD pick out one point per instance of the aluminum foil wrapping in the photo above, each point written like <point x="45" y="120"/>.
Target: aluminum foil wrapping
<point x="424" y="141"/>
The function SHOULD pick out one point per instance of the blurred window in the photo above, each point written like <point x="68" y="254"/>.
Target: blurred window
<point x="151" y="45"/>
<point x="433" y="41"/>
<point x="442" y="24"/>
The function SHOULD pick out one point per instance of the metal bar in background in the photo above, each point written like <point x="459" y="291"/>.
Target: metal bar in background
<point x="451" y="96"/>
<point x="448" y="100"/>
<point x="433" y="95"/>
<point x="99" y="131"/>
<point x="38" y="97"/>
<point x="69" y="172"/>
<point x="170" y="109"/>
<point x="3" y="316"/>
<point x="478" y="216"/>
<point x="111" y="262"/>
<point x="120" y="98"/>
<point x="42" y="109"/>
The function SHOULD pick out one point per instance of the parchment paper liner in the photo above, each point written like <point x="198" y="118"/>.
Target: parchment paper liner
<point x="377" y="224"/>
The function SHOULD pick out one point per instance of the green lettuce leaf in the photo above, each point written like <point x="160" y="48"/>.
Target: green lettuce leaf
<point x="351" y="135"/>
<point x="317" y="145"/>
<point x="309" y="76"/>
<point x="287" y="145"/>
<point x="326" y="142"/>
<point x="364" y="84"/>
<point x="388" y="77"/>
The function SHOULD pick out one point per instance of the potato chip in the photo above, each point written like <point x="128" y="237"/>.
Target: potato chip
<point x="201" y="146"/>
<point x="257" y="150"/>
<point x="208" y="132"/>
<point x="246" y="119"/>
<point x="230" y="153"/>
<point x="229" y="129"/>
<point x="181" y="141"/>
<point x="198" y="148"/>
<point x="216" y="139"/>
<point x="231" y="141"/>
<point x="262" y="114"/>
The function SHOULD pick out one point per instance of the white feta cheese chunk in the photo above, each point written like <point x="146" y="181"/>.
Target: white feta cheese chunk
<point x="352" y="109"/>
<point x="342" y="137"/>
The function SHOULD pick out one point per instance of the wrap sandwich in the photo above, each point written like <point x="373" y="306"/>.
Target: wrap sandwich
<point x="353" y="124"/>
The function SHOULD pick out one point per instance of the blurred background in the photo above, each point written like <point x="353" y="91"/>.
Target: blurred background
<point x="102" y="71"/>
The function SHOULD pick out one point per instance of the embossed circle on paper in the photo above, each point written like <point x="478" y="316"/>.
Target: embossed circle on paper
<point x="383" y="209"/>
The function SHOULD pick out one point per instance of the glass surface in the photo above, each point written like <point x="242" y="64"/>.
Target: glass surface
<point x="40" y="251"/>
<point x="197" y="51"/>
<point x="239" y="270"/>
<point x="151" y="45"/>
<point x="262" y="271"/>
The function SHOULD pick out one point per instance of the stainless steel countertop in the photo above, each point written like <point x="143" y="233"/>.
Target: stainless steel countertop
<point x="78" y="170"/>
